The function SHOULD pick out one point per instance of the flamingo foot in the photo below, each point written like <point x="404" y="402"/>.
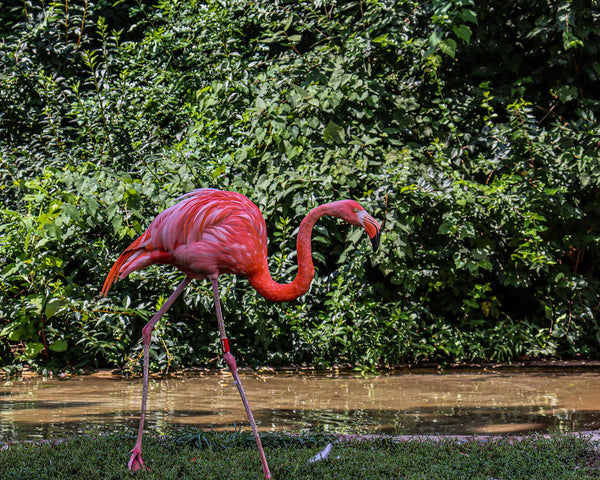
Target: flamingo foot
<point x="136" y="462"/>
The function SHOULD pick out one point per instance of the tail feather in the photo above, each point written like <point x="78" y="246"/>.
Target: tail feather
<point x="117" y="269"/>
<point x="132" y="259"/>
<point x="113" y="275"/>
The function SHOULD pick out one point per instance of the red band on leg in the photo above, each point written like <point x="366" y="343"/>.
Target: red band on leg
<point x="225" y="345"/>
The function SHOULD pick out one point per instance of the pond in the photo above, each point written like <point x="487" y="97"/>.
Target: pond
<point x="422" y="402"/>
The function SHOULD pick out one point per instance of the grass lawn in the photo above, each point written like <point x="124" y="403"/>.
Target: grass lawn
<point x="193" y="454"/>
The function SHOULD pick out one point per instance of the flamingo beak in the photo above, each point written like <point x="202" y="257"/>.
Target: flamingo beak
<point x="375" y="240"/>
<point x="373" y="230"/>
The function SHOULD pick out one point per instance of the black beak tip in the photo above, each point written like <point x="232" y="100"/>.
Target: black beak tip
<point x="375" y="242"/>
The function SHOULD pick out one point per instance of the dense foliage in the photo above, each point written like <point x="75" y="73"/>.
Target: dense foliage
<point x="469" y="128"/>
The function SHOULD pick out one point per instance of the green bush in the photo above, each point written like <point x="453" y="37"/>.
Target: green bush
<point x="469" y="129"/>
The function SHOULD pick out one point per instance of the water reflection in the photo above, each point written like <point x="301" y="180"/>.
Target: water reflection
<point x="406" y="403"/>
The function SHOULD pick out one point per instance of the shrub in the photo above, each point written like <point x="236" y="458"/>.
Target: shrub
<point x="474" y="140"/>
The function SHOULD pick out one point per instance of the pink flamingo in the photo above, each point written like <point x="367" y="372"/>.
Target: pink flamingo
<point x="210" y="232"/>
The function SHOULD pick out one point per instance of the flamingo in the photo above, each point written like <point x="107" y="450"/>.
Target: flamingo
<point x="210" y="232"/>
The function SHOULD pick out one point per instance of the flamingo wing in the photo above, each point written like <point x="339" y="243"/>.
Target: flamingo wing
<point x="206" y="233"/>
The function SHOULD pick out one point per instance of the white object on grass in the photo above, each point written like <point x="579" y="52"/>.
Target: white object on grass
<point x="322" y="455"/>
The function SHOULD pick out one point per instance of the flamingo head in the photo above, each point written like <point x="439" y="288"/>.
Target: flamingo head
<point x="353" y="213"/>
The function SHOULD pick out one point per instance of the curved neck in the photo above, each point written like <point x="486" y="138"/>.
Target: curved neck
<point x="277" y="292"/>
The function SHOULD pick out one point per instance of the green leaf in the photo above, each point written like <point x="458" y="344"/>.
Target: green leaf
<point x="567" y="93"/>
<point x="37" y="301"/>
<point x="333" y="133"/>
<point x="260" y="104"/>
<point x="448" y="47"/>
<point x="435" y="38"/>
<point x="52" y="307"/>
<point x="381" y="38"/>
<point x="300" y="91"/>
<point x="7" y="330"/>
<point x="19" y="333"/>
<point x="463" y="32"/>
<point x="33" y="349"/>
<point x="468" y="15"/>
<point x="58" y="346"/>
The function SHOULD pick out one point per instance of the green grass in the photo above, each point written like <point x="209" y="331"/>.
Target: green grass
<point x="197" y="455"/>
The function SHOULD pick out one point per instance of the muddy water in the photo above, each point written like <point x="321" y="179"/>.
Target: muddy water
<point x="407" y="403"/>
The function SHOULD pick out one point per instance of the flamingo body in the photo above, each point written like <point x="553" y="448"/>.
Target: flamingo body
<point x="210" y="232"/>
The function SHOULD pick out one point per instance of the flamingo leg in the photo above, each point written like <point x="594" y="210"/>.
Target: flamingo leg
<point x="136" y="462"/>
<point x="231" y="363"/>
